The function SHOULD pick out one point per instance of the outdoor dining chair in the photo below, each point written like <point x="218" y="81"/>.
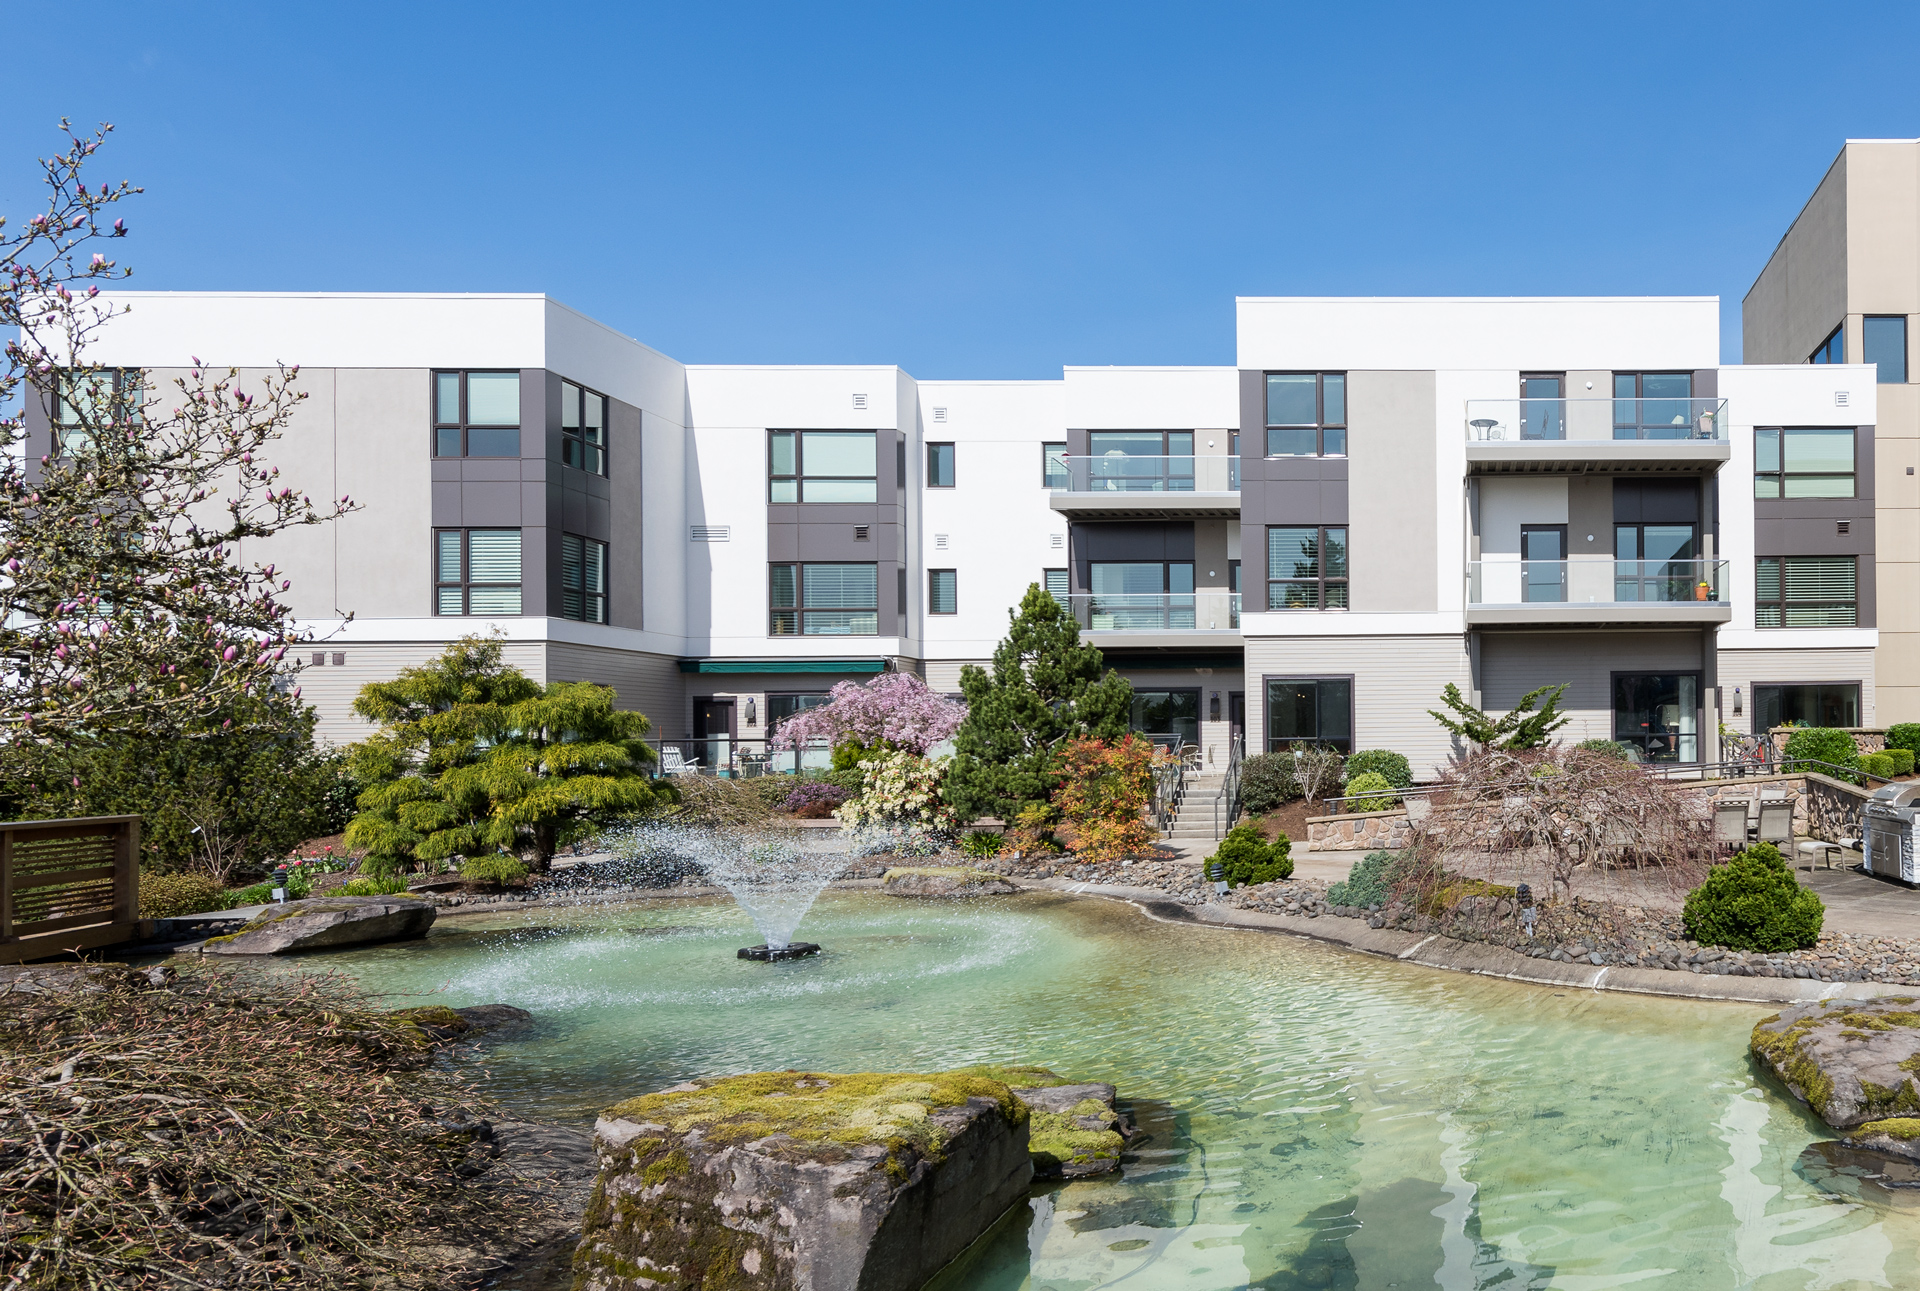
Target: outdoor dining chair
<point x="1776" y="823"/>
<point x="1730" y="823"/>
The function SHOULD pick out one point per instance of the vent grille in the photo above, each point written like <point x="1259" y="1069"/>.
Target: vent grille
<point x="1843" y="526"/>
<point x="861" y="532"/>
<point x="339" y="659"/>
<point x="710" y="533"/>
<point x="859" y="401"/>
<point x="1057" y="540"/>
<point x="319" y="658"/>
<point x="1841" y="398"/>
<point x="940" y="541"/>
<point x="939" y="414"/>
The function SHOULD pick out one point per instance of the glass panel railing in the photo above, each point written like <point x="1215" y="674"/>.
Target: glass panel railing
<point x="1147" y="612"/>
<point x="1521" y="421"/>
<point x="1512" y="581"/>
<point x="1125" y="473"/>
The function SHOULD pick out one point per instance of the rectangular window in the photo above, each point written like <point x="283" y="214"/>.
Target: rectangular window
<point x="822" y="466"/>
<point x="1806" y="592"/>
<point x="583" y="579"/>
<point x="1233" y="576"/>
<point x="1803" y="462"/>
<point x="88" y="401"/>
<point x="1140" y="595"/>
<point x="1140" y="461"/>
<point x="476" y="414"/>
<point x="939" y="466"/>
<point x="1657" y="715"/>
<point x="1053" y="465"/>
<point x="1307" y="567"/>
<point x="1168" y="717"/>
<point x="1057" y="586"/>
<point x="1309" y="710"/>
<point x="1833" y="349"/>
<point x="781" y="707"/>
<point x="1824" y="704"/>
<point x="839" y="599"/>
<point x="1653" y="405"/>
<point x="583" y="429"/>
<point x="476" y="571"/>
<point x="1306" y="414"/>
<point x="943" y="591"/>
<point x="1884" y="342"/>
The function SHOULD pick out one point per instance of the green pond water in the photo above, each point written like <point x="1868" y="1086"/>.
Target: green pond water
<point x="1317" y="1119"/>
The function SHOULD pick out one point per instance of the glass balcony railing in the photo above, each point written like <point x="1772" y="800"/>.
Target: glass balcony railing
<point x="1146" y="612"/>
<point x="1124" y="473"/>
<point x="1519" y="421"/>
<point x="1514" y="581"/>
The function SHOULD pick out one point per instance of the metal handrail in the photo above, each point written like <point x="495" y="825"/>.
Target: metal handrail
<point x="1169" y="789"/>
<point x="1229" y="796"/>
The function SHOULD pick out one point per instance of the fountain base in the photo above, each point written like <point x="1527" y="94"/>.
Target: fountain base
<point x="792" y="950"/>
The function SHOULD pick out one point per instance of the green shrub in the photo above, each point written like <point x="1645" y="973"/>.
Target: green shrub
<point x="1246" y="857"/>
<point x="1370" y="791"/>
<point x="370" y="888"/>
<point x="258" y="894"/>
<point x="773" y="790"/>
<point x="1822" y="744"/>
<point x="1754" y="902"/>
<point x="1904" y="735"/>
<point x="498" y="868"/>
<point x="1385" y="762"/>
<point x="167" y="896"/>
<point x="1612" y="748"/>
<point x="1878" y="765"/>
<point x="1370" y="881"/>
<point x="982" y="843"/>
<point x="1266" y="781"/>
<point x="1902" y="760"/>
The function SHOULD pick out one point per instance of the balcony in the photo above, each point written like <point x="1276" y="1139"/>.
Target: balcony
<point x="1117" y="486"/>
<point x="1562" y="436"/>
<point x="1596" y="592"/>
<point x="1148" y="619"/>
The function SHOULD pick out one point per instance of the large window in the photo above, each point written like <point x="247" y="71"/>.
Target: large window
<point x="832" y="600"/>
<point x="939" y="466"/>
<point x="1169" y="716"/>
<point x="1307" y="567"/>
<point x="1652" y="405"/>
<point x="1823" y="704"/>
<point x="781" y="707"/>
<point x="583" y="579"/>
<point x="1811" y="462"/>
<point x="476" y="414"/>
<point x="1309" y="710"/>
<point x="476" y="571"/>
<point x="1806" y="592"/>
<point x="943" y="591"/>
<point x="1656" y="562"/>
<point x="1657" y="715"/>
<point x="1053" y="465"/>
<point x="583" y="429"/>
<point x="1306" y="414"/>
<point x="90" y="400"/>
<point x="1833" y="349"/>
<point x="822" y="466"/>
<point x="1140" y="461"/>
<point x="1884" y="342"/>
<point x="1139" y="595"/>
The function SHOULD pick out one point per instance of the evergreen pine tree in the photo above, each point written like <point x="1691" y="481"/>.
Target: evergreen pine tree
<point x="1045" y="687"/>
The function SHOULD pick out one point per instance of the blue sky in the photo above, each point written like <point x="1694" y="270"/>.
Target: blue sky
<point x="968" y="191"/>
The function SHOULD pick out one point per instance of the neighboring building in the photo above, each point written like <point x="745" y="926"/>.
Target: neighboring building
<point x="1382" y="496"/>
<point x="1843" y="286"/>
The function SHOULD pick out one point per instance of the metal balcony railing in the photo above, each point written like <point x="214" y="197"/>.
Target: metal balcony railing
<point x="1513" y="581"/>
<point x="1520" y="421"/>
<point x="1122" y="473"/>
<point x="1140" y="612"/>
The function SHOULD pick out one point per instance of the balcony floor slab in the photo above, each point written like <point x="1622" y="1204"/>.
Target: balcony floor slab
<point x="1598" y="456"/>
<point x="1610" y="614"/>
<point x="1144" y="505"/>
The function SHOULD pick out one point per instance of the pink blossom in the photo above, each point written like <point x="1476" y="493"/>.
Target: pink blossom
<point x="895" y="706"/>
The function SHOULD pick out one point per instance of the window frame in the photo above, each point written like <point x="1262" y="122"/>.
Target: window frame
<point x="932" y="481"/>
<point x="1833" y="349"/>
<point x="576" y="450"/>
<point x="800" y="609"/>
<point x="603" y="596"/>
<point x="1702" y="712"/>
<point x="1321" y="581"/>
<point x="933" y="594"/>
<point x="1268" y="738"/>
<point x="1064" y="597"/>
<point x="799" y="478"/>
<point x="1640" y="399"/>
<point x="1780" y="604"/>
<point x="466" y="582"/>
<point x="1753" y="711"/>
<point x="1320" y="425"/>
<point x="124" y="397"/>
<point x="1047" y="474"/>
<point x="1866" y="345"/>
<point x="464" y="425"/>
<point x="1781" y="474"/>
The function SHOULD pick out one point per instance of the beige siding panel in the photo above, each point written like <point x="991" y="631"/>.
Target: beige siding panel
<point x="1743" y="668"/>
<point x="1391" y="495"/>
<point x="1511" y="664"/>
<point x="331" y="689"/>
<point x="646" y="683"/>
<point x="1396" y="679"/>
<point x="943" y="675"/>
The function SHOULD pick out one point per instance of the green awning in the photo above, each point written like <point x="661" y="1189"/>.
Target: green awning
<point x="783" y="665"/>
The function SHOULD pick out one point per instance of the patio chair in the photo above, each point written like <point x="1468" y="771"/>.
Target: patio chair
<point x="1730" y="823"/>
<point x="1776" y="823"/>
<point x="672" y="762"/>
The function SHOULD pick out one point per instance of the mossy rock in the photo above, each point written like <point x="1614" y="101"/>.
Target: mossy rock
<point x="944" y="881"/>
<point x="1851" y="1061"/>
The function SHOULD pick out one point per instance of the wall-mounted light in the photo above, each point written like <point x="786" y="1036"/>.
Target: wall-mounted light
<point x="1213" y="707"/>
<point x="1736" y="701"/>
<point x="753" y="714"/>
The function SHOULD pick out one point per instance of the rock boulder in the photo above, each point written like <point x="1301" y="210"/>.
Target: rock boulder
<point x="322" y="922"/>
<point x="1851" y="1061"/>
<point x="801" y="1180"/>
<point x="944" y="881"/>
<point x="1075" y="1131"/>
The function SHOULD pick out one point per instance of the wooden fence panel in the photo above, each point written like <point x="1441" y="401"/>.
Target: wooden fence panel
<point x="67" y="885"/>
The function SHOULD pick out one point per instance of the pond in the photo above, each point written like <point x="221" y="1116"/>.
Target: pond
<point x="1318" y="1119"/>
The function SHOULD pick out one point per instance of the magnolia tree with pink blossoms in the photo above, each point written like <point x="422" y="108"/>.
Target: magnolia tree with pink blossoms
<point x="895" y="706"/>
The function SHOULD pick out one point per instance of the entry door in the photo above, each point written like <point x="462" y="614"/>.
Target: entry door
<point x="1543" y="562"/>
<point x="1657" y="715"/>
<point x="1654" y="562"/>
<point x="713" y="731"/>
<point x="1237" y="714"/>
<point x="1541" y="412"/>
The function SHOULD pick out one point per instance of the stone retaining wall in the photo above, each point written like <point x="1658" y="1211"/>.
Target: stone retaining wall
<point x="1362" y="831"/>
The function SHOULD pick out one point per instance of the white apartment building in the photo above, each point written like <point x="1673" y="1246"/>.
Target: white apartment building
<point x="1382" y="496"/>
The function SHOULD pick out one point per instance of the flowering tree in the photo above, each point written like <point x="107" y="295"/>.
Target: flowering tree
<point x="124" y="603"/>
<point x="1105" y="786"/>
<point x="895" y="707"/>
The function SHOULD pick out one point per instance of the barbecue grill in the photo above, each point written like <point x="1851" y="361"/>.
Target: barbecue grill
<point x="1887" y="832"/>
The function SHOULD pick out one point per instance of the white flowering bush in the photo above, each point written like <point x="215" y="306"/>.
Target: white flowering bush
<point x="899" y="791"/>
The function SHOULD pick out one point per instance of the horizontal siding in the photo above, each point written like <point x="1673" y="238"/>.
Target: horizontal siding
<point x="1743" y="668"/>
<point x="1511" y="664"/>
<point x="1396" y="679"/>
<point x="644" y="683"/>
<point x="943" y="675"/>
<point x="332" y="689"/>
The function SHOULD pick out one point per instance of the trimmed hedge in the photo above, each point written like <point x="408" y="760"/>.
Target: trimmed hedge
<point x="1370" y="881"/>
<point x="1384" y="762"/>
<point x="167" y="896"/>
<point x="1902" y="760"/>
<point x="1267" y="781"/>
<point x="1370" y="791"/>
<point x="1246" y="857"/>
<point x="1904" y="735"/>
<point x="1754" y="902"/>
<point x="1878" y="765"/>
<point x="1821" y="744"/>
